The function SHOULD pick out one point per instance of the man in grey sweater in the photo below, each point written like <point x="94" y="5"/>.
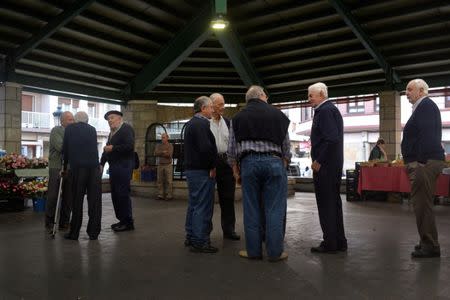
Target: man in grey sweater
<point x="54" y="165"/>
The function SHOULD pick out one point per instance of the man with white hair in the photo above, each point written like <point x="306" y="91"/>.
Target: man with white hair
<point x="54" y="166"/>
<point x="81" y="153"/>
<point x="226" y="184"/>
<point x="259" y="151"/>
<point x="327" y="154"/>
<point x="424" y="158"/>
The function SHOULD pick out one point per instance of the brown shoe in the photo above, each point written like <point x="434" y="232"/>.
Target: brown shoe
<point x="244" y="254"/>
<point x="283" y="256"/>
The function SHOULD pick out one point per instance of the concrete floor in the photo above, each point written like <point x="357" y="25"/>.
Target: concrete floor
<point x="151" y="262"/>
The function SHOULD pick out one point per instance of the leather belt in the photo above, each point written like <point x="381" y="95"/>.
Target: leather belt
<point x="251" y="152"/>
<point x="222" y="156"/>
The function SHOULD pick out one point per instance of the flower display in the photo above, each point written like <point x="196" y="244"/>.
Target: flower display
<point x="16" y="161"/>
<point x="13" y="187"/>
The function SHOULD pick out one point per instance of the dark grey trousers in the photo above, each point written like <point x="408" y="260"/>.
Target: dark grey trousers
<point x="52" y="197"/>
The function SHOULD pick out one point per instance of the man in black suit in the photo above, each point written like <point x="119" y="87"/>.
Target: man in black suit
<point x="328" y="159"/>
<point x="226" y="184"/>
<point x="424" y="158"/>
<point x="80" y="152"/>
<point x="119" y="153"/>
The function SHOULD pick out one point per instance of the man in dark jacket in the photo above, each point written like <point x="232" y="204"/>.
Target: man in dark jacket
<point x="327" y="154"/>
<point x="119" y="153"/>
<point x="80" y="152"/>
<point x="259" y="151"/>
<point x="200" y="154"/>
<point x="424" y="159"/>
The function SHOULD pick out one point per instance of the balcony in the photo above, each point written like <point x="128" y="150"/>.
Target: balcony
<point x="99" y="124"/>
<point x="36" y="120"/>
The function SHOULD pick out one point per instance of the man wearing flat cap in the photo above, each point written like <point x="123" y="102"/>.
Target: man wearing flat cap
<point x="119" y="153"/>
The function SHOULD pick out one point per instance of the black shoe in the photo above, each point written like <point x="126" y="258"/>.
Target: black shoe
<point x="203" y="249"/>
<point x="322" y="249"/>
<point x="124" y="227"/>
<point x="116" y="225"/>
<point x="417" y="247"/>
<point x="187" y="243"/>
<point x="64" y="227"/>
<point x="232" y="236"/>
<point x="69" y="236"/>
<point x="422" y="253"/>
<point x="93" y="237"/>
<point x="342" y="248"/>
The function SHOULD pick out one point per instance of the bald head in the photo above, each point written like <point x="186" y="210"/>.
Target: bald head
<point x="256" y="92"/>
<point x="416" y="89"/>
<point x="66" y="119"/>
<point x="218" y="103"/>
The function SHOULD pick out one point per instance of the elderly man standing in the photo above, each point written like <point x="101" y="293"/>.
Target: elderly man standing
<point x="327" y="154"/>
<point x="119" y="153"/>
<point x="226" y="184"/>
<point x="424" y="158"/>
<point x="55" y="165"/>
<point x="259" y="143"/>
<point x="81" y="153"/>
<point x="200" y="154"/>
<point x="164" y="152"/>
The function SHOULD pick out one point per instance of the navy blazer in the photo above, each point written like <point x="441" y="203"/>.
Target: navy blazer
<point x="422" y="134"/>
<point x="327" y="136"/>
<point x="80" y="146"/>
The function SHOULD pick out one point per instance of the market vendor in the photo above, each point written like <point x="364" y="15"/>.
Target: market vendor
<point x="54" y="165"/>
<point x="378" y="152"/>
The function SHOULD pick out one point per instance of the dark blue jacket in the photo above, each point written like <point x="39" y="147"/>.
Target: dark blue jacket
<point x="123" y="146"/>
<point x="327" y="136"/>
<point x="80" y="146"/>
<point x="423" y="133"/>
<point x="200" y="151"/>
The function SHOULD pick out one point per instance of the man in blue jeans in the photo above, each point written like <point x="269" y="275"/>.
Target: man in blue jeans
<point x="259" y="142"/>
<point x="200" y="154"/>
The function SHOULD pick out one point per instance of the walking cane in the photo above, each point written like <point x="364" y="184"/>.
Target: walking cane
<point x="58" y="205"/>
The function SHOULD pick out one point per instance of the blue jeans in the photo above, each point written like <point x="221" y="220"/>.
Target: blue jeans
<point x="200" y="206"/>
<point x="264" y="183"/>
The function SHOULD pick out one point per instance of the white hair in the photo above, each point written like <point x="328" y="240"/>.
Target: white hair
<point x="319" y="87"/>
<point x="420" y="84"/>
<point x="215" y="97"/>
<point x="201" y="102"/>
<point x="255" y="91"/>
<point x="81" y="117"/>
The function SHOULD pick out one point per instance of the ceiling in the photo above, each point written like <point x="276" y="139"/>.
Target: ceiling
<point x="112" y="50"/>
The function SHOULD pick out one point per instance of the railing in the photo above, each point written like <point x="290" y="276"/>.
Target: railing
<point x="36" y="119"/>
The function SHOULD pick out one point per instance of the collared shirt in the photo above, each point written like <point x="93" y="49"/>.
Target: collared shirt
<point x="221" y="134"/>
<point x="417" y="103"/>
<point x="319" y="105"/>
<point x="115" y="130"/>
<point x="236" y="149"/>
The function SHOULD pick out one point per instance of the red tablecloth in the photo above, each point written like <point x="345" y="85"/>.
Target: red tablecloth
<point x="394" y="179"/>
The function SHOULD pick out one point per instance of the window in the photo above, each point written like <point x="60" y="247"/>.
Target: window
<point x="447" y="97"/>
<point x="92" y="110"/>
<point x="355" y="107"/>
<point x="306" y="114"/>
<point x="377" y="104"/>
<point x="68" y="104"/>
<point x="27" y="102"/>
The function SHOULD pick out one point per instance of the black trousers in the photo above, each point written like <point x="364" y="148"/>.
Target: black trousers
<point x="327" y="184"/>
<point x="86" y="181"/>
<point x="226" y="185"/>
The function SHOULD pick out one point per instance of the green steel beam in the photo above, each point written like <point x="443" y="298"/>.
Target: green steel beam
<point x="174" y="53"/>
<point x="220" y="7"/>
<point x="66" y="87"/>
<point x="54" y="25"/>
<point x="239" y="57"/>
<point x="69" y="95"/>
<point x="391" y="75"/>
